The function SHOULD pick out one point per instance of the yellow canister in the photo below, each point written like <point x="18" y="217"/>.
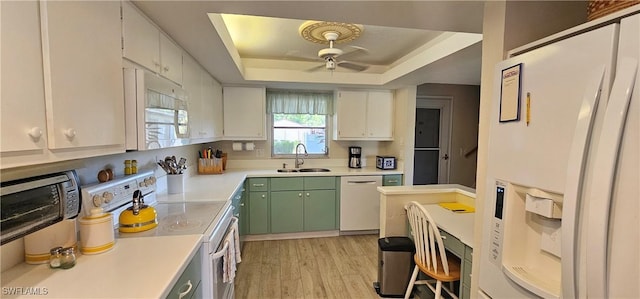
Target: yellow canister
<point x="96" y="232"/>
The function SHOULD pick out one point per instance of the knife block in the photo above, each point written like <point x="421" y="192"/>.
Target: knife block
<point x="210" y="166"/>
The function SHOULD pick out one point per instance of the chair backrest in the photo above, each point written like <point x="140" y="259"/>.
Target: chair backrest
<point x="427" y="239"/>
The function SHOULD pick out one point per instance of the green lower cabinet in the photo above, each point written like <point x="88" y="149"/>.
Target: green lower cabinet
<point x="392" y="180"/>
<point x="319" y="210"/>
<point x="286" y="211"/>
<point x="258" y="213"/>
<point x="239" y="202"/>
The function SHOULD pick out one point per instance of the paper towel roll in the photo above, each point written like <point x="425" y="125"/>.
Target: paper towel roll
<point x="249" y="146"/>
<point x="236" y="146"/>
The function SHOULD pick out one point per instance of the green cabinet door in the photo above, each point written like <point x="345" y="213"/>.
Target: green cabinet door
<point x="243" y="219"/>
<point x="392" y="180"/>
<point x="286" y="211"/>
<point x="320" y="210"/>
<point x="258" y="213"/>
<point x="238" y="202"/>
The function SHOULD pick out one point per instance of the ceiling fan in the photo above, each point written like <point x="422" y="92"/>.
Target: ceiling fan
<point x="331" y="54"/>
<point x="331" y="33"/>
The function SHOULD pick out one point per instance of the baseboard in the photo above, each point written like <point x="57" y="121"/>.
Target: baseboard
<point x="360" y="232"/>
<point x="285" y="236"/>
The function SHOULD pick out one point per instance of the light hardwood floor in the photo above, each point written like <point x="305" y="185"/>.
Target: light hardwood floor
<point x="332" y="267"/>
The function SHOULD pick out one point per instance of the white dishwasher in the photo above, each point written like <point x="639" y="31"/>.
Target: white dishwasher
<point x="360" y="202"/>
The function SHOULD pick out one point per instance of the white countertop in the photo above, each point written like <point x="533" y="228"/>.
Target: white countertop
<point x="423" y="189"/>
<point x="134" y="268"/>
<point x="210" y="187"/>
<point x="459" y="225"/>
<point x="144" y="267"/>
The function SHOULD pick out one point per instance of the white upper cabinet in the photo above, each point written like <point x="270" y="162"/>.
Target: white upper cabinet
<point x="83" y="74"/>
<point x="363" y="115"/>
<point x="380" y="115"/>
<point x="170" y="59"/>
<point x="212" y="104"/>
<point x="22" y="114"/>
<point x="205" y="102"/>
<point x="244" y="113"/>
<point x="351" y="114"/>
<point x="145" y="44"/>
<point x="218" y="117"/>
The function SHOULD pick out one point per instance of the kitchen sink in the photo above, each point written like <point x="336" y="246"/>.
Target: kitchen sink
<point x="314" y="170"/>
<point x="304" y="170"/>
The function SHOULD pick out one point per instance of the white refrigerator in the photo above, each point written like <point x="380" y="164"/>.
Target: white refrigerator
<point x="561" y="214"/>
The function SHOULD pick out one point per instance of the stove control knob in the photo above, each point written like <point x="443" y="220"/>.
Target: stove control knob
<point x="152" y="179"/>
<point x="142" y="184"/>
<point x="148" y="182"/>
<point x="97" y="201"/>
<point x="108" y="196"/>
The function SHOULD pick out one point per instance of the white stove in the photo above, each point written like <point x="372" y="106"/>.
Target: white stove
<point x="212" y="219"/>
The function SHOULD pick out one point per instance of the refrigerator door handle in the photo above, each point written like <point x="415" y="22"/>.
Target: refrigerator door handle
<point x="575" y="171"/>
<point x="605" y="163"/>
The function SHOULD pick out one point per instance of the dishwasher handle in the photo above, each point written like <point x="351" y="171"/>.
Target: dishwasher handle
<point x="361" y="182"/>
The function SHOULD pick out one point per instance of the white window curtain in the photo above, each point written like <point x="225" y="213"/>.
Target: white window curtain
<point x="299" y="102"/>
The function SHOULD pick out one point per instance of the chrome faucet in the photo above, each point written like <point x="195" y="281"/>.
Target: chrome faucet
<point x="300" y="161"/>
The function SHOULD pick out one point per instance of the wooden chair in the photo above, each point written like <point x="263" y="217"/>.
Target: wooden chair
<point x="431" y="257"/>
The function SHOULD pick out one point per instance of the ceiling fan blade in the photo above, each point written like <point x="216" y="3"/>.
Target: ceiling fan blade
<point x="356" y="50"/>
<point x="294" y="55"/>
<point x="353" y="66"/>
<point x="316" y="68"/>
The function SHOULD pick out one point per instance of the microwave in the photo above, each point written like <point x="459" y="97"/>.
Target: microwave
<point x="156" y="112"/>
<point x="30" y="204"/>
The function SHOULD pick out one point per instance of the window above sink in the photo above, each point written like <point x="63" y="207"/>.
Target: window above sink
<point x="299" y="117"/>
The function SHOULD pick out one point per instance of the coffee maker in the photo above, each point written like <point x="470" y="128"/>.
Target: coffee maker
<point x="355" y="152"/>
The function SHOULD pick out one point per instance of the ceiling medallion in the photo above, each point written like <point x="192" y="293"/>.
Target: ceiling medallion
<point x="314" y="31"/>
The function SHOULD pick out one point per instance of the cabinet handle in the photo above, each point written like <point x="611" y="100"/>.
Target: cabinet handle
<point x="443" y="237"/>
<point x="70" y="133"/>
<point x="258" y="185"/>
<point x="393" y="181"/>
<point x="184" y="293"/>
<point x="308" y="194"/>
<point x="299" y="194"/>
<point x="264" y="196"/>
<point x="35" y="133"/>
<point x="242" y="204"/>
<point x="166" y="68"/>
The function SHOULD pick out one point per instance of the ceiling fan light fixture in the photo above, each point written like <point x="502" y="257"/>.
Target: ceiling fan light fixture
<point x="321" y="32"/>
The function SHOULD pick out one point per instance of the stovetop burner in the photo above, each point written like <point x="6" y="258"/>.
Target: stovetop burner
<point x="174" y="218"/>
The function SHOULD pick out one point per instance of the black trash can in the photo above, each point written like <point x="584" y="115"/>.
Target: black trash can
<point x="395" y="266"/>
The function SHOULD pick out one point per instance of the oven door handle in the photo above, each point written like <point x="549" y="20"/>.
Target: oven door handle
<point x="221" y="252"/>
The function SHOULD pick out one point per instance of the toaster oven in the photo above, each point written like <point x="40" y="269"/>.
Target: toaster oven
<point x="30" y="204"/>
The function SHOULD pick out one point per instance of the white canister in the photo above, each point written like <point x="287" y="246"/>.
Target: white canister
<point x="175" y="183"/>
<point x="37" y="246"/>
<point x="96" y="232"/>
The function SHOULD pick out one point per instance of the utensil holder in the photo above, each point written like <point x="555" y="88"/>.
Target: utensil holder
<point x="210" y="166"/>
<point x="175" y="183"/>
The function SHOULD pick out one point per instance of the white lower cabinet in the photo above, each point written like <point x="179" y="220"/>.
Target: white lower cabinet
<point x="64" y="97"/>
<point x="244" y="113"/>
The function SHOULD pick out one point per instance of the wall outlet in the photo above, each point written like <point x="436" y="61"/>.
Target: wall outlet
<point x="259" y="152"/>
